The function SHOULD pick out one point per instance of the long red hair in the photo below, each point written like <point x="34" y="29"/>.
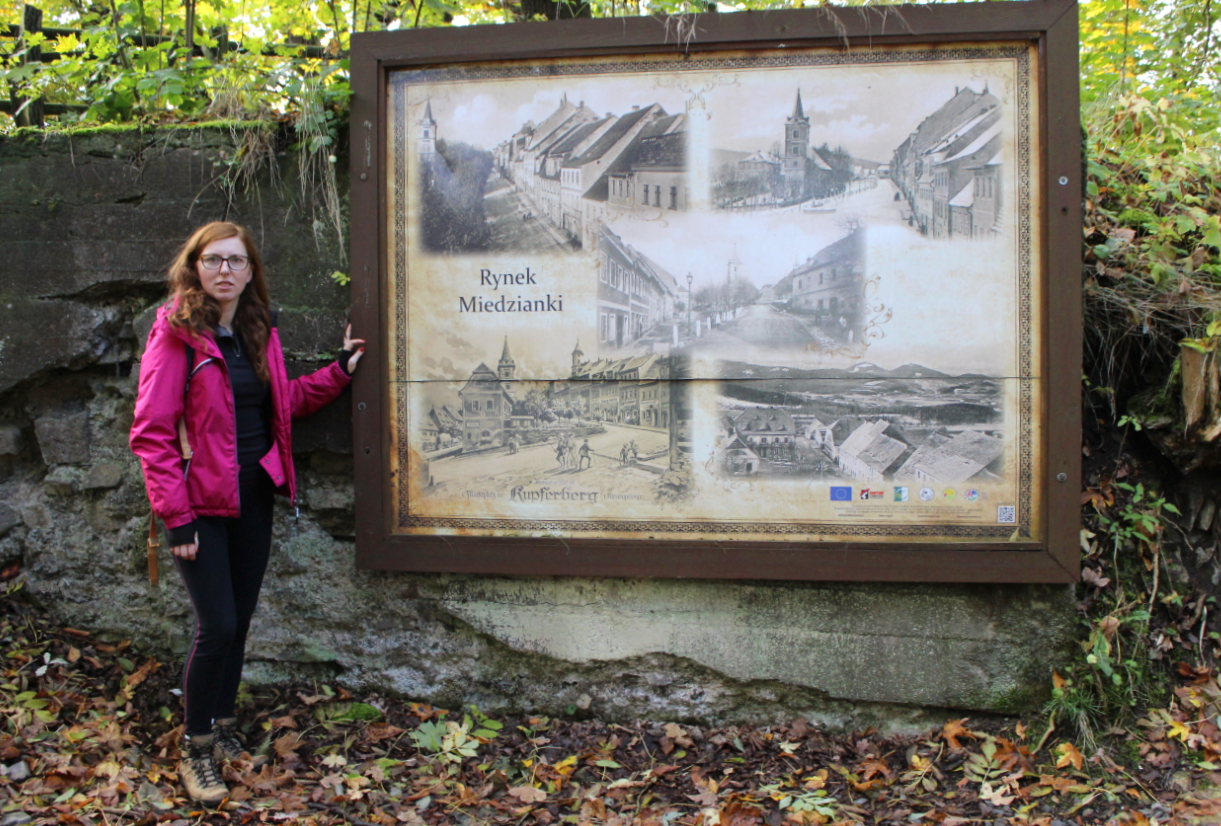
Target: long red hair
<point x="194" y="309"/>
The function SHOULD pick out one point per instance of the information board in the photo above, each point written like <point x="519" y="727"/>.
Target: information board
<point x="751" y="295"/>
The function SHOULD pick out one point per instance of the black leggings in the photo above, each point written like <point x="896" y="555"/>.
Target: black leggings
<point x="223" y="581"/>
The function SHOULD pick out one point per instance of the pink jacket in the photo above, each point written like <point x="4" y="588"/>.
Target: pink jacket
<point x="211" y="487"/>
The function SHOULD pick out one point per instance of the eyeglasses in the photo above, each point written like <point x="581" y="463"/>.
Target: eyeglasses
<point x="237" y="263"/>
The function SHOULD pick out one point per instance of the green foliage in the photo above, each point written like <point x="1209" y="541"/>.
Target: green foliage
<point x="1116" y="675"/>
<point x="134" y="61"/>
<point x="452" y="742"/>
<point x="345" y="712"/>
<point x="983" y="767"/>
<point x="1139" y="518"/>
<point x="1151" y="111"/>
<point x="802" y="801"/>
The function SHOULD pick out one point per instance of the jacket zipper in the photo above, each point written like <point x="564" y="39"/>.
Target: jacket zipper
<point x="237" y="488"/>
<point x="237" y="468"/>
<point x="190" y="377"/>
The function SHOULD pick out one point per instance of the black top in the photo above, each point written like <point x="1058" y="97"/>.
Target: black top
<point x="251" y="403"/>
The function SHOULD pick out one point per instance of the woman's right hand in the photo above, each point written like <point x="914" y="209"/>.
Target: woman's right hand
<point x="186" y="552"/>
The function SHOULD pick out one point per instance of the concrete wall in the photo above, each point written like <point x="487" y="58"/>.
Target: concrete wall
<point x="90" y="222"/>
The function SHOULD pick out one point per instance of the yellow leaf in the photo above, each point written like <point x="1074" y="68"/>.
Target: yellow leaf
<point x="107" y="768"/>
<point x="1178" y="730"/>
<point x="1069" y="755"/>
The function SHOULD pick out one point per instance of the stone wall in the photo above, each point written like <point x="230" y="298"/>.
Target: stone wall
<point x="90" y="221"/>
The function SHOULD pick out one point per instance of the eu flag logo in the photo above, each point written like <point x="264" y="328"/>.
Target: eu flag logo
<point x="841" y="494"/>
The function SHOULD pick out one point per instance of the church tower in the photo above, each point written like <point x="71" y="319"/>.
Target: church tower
<point x="507" y="367"/>
<point x="428" y="133"/>
<point x="733" y="270"/>
<point x="577" y="355"/>
<point x="796" y="145"/>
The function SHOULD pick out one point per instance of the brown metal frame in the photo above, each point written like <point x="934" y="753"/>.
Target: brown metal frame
<point x="1051" y="24"/>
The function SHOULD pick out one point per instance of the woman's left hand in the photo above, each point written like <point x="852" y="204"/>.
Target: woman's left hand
<point x="352" y="349"/>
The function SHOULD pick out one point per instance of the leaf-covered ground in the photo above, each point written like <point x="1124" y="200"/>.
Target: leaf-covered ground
<point x="91" y="730"/>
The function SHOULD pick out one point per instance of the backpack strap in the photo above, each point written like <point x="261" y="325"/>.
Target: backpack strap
<point x="154" y="545"/>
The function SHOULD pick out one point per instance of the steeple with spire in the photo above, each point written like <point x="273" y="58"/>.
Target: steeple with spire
<point x="507" y="367"/>
<point x="796" y="144"/>
<point x="428" y="132"/>
<point x="577" y="356"/>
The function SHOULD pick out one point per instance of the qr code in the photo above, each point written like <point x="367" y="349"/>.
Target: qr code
<point x="1006" y="514"/>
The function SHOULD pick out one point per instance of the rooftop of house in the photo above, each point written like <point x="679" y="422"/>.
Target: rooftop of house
<point x="552" y="122"/>
<point x="884" y="454"/>
<point x="818" y="160"/>
<point x="960" y="458"/>
<point x="761" y="157"/>
<point x="965" y="196"/>
<point x="980" y="142"/>
<point x="963" y="130"/>
<point x="850" y="247"/>
<point x="612" y="136"/>
<point x="574" y="136"/>
<point x="965" y="105"/>
<point x="667" y="151"/>
<point x="765" y="420"/>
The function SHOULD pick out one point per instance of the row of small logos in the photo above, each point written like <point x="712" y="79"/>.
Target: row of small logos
<point x="843" y="493"/>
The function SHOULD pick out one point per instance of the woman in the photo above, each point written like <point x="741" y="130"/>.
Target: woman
<point x="213" y="362"/>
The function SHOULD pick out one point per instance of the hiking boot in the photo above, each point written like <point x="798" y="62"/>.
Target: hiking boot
<point x="197" y="770"/>
<point x="226" y="746"/>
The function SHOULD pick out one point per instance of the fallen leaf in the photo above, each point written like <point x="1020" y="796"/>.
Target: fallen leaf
<point x="1069" y="756"/>
<point x="141" y="674"/>
<point x="678" y="734"/>
<point x="284" y="746"/>
<point x="996" y="797"/>
<point x="378" y="732"/>
<point x="1092" y="577"/>
<point x="954" y="729"/>
<point x="528" y="794"/>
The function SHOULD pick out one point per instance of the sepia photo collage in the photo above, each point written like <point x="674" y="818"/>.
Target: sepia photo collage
<point x="735" y="296"/>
